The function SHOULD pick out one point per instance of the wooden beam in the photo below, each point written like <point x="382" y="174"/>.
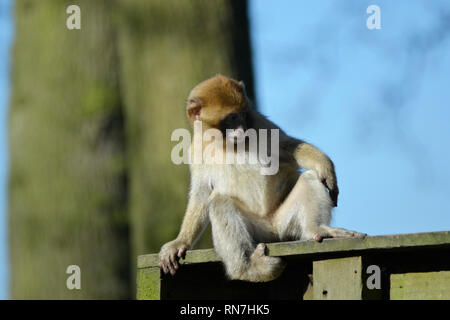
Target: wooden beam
<point x="338" y="279"/>
<point x="333" y="269"/>
<point x="421" y="286"/>
<point x="398" y="242"/>
<point x="148" y="284"/>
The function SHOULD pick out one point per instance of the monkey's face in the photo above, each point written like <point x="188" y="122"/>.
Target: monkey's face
<point x="220" y="103"/>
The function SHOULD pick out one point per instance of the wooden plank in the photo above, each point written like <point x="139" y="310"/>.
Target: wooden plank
<point x="421" y="286"/>
<point x="338" y="279"/>
<point x="386" y="243"/>
<point x="149" y="284"/>
<point x="192" y="257"/>
<point x="371" y="243"/>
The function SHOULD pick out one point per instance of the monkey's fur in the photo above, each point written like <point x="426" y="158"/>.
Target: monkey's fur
<point x="246" y="208"/>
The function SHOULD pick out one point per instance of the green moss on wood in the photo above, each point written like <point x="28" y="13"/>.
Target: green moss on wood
<point x="421" y="286"/>
<point x="149" y="284"/>
<point x="338" y="279"/>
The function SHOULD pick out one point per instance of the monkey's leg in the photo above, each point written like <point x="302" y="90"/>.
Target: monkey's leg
<point x="234" y="243"/>
<point x="306" y="212"/>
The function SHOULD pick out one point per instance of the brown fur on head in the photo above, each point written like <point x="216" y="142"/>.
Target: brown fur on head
<point x="214" y="99"/>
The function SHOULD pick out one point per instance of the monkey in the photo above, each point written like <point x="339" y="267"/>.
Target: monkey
<point x="248" y="209"/>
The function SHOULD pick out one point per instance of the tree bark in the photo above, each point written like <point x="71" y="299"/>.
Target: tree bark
<point x="68" y="180"/>
<point x="92" y="113"/>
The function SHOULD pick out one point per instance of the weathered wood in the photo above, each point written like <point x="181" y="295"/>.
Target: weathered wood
<point x="421" y="286"/>
<point x="333" y="269"/>
<point x="328" y="246"/>
<point x="368" y="244"/>
<point x="149" y="284"/>
<point x="338" y="279"/>
<point x="192" y="257"/>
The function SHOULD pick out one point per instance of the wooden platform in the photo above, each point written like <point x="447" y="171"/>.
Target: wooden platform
<point x="404" y="266"/>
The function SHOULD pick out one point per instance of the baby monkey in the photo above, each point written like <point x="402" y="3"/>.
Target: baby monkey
<point x="246" y="208"/>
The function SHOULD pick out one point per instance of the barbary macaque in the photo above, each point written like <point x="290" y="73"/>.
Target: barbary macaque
<point x="247" y="208"/>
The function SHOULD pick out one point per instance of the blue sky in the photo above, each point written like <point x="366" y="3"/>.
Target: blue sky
<point x="376" y="101"/>
<point x="5" y="40"/>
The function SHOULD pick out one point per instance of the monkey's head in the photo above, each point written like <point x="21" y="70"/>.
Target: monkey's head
<point x="220" y="103"/>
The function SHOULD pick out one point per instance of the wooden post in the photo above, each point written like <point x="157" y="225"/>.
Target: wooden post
<point x="338" y="279"/>
<point x="421" y="286"/>
<point x="149" y="284"/>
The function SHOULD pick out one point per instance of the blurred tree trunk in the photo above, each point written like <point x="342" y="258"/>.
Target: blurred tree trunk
<point x="68" y="183"/>
<point x="166" y="48"/>
<point x="92" y="112"/>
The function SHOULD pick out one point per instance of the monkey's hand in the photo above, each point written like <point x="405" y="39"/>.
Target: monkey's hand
<point x="169" y="255"/>
<point x="328" y="176"/>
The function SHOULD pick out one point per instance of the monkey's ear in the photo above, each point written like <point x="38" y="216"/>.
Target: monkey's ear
<point x="194" y="107"/>
<point x="242" y="84"/>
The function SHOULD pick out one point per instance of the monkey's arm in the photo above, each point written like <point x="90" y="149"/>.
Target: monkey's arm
<point x="194" y="222"/>
<point x="195" y="219"/>
<point x="311" y="158"/>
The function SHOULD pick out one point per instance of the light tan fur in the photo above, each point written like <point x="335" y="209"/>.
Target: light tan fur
<point x="246" y="208"/>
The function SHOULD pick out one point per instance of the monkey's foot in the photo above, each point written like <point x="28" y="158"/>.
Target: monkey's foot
<point x="324" y="232"/>
<point x="264" y="268"/>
